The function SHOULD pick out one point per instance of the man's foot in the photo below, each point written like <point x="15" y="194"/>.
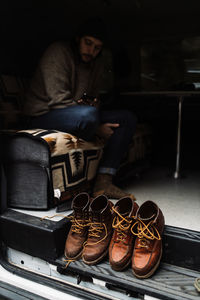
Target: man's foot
<point x="104" y="185"/>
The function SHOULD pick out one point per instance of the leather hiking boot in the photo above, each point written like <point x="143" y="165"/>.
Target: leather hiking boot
<point x="79" y="228"/>
<point x="100" y="230"/>
<point x="104" y="185"/>
<point x="122" y="242"/>
<point x="147" y="251"/>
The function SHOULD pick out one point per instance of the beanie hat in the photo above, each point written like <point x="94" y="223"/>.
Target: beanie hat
<point x="93" y="27"/>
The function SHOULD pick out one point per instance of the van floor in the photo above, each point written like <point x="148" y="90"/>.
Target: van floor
<point x="179" y="199"/>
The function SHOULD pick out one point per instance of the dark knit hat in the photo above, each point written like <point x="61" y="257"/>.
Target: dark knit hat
<point x="94" y="27"/>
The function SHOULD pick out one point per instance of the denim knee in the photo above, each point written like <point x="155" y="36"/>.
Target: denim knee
<point x="129" y="118"/>
<point x="88" y="122"/>
<point x="89" y="114"/>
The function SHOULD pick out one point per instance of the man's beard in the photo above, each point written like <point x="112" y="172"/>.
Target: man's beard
<point x="89" y="58"/>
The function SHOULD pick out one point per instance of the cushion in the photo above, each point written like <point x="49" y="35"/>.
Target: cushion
<point x="73" y="161"/>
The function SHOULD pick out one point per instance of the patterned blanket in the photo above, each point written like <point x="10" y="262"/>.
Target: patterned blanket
<point x="74" y="161"/>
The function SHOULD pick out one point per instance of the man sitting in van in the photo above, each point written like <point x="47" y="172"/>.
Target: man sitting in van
<point x="64" y="96"/>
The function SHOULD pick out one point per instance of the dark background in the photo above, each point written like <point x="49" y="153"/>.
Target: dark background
<point x="28" y="27"/>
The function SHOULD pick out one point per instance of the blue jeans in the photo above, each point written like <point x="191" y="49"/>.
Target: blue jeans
<point x="83" y="121"/>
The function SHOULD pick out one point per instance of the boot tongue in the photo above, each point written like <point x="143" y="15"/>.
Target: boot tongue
<point x="147" y="220"/>
<point x="124" y="213"/>
<point x="148" y="212"/>
<point x="99" y="207"/>
<point x="125" y="207"/>
<point x="79" y="211"/>
<point x="100" y="214"/>
<point x="97" y="215"/>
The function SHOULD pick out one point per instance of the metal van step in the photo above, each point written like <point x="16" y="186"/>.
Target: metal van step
<point x="45" y="238"/>
<point x="169" y="281"/>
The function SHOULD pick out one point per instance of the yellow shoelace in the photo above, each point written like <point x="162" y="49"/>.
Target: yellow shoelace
<point x="51" y="217"/>
<point x="77" y="225"/>
<point x="145" y="231"/>
<point x="197" y="284"/>
<point x="68" y="262"/>
<point x="77" y="229"/>
<point x="94" y="231"/>
<point x="121" y="224"/>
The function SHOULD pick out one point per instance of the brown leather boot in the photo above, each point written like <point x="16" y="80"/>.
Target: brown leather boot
<point x="104" y="185"/>
<point x="100" y="230"/>
<point x="122" y="242"/>
<point x="147" y="252"/>
<point x="79" y="228"/>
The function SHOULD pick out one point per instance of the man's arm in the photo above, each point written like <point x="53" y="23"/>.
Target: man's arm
<point x="57" y="71"/>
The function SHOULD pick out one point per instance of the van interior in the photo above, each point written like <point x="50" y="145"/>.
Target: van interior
<point x="155" y="47"/>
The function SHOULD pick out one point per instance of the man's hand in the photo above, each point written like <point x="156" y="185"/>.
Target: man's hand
<point x="87" y="101"/>
<point x="106" y="130"/>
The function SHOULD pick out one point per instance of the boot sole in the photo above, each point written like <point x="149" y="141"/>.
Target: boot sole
<point x="93" y="262"/>
<point x="78" y="256"/>
<point x="152" y="271"/>
<point x="121" y="268"/>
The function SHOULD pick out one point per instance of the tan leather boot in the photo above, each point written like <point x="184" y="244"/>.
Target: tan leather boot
<point x="104" y="185"/>
<point x="147" y="251"/>
<point x="100" y="230"/>
<point x="122" y="242"/>
<point x="79" y="227"/>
